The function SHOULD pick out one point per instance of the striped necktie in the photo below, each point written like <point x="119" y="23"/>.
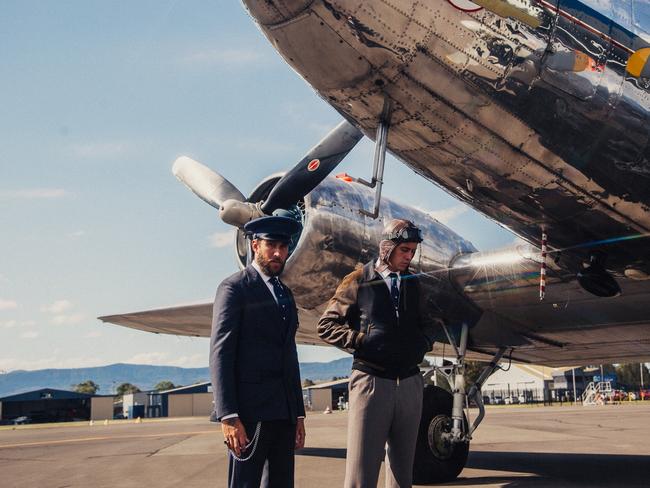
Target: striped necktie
<point x="281" y="296"/>
<point x="394" y="292"/>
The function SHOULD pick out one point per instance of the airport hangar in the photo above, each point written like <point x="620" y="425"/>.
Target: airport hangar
<point x="183" y="401"/>
<point x="51" y="405"/>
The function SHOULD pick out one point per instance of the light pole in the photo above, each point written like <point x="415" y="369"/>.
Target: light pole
<point x="641" y="370"/>
<point x="602" y="377"/>
<point x="573" y="374"/>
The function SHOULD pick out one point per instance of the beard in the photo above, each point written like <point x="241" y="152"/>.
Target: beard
<point x="265" y="265"/>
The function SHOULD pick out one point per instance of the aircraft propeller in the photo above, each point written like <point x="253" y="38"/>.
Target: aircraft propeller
<point x="319" y="161"/>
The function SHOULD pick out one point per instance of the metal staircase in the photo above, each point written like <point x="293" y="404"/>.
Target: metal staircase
<point x="597" y="393"/>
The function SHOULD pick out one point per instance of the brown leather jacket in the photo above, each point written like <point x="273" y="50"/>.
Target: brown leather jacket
<point x="360" y="319"/>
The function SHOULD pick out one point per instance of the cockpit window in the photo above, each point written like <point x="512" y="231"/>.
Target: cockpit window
<point x="641" y="16"/>
<point x="620" y="11"/>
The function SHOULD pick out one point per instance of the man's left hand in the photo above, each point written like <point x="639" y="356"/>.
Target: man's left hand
<point x="300" y="433"/>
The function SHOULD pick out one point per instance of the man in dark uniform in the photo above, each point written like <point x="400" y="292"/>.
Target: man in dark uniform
<point x="254" y="363"/>
<point x="376" y="314"/>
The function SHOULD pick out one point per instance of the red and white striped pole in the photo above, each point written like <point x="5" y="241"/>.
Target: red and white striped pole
<point x="542" y="272"/>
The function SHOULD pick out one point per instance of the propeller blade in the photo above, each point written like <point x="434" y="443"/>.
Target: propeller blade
<point x="208" y="185"/>
<point x="313" y="168"/>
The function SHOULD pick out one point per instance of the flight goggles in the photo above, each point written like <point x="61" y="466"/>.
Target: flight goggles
<point x="405" y="234"/>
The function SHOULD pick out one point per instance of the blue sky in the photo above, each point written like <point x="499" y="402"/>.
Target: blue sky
<point x="98" y="99"/>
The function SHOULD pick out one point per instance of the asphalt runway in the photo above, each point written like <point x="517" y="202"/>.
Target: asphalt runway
<point x="606" y="446"/>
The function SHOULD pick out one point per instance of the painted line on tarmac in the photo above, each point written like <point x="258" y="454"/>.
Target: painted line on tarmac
<point x="104" y="438"/>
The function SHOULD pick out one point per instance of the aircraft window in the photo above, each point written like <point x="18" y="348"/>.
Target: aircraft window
<point x="620" y="11"/>
<point x="641" y="15"/>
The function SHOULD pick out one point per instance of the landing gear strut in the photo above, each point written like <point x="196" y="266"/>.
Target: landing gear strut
<point x="444" y="435"/>
<point x="377" y="180"/>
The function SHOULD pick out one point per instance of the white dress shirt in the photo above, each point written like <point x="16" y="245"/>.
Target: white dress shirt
<point x="385" y="274"/>
<point x="266" y="278"/>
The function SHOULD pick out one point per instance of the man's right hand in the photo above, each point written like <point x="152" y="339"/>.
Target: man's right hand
<point x="234" y="434"/>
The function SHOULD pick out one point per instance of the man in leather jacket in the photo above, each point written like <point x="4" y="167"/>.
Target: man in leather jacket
<point x="376" y="314"/>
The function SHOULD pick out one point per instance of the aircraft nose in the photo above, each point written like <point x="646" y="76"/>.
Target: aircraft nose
<point x="269" y="12"/>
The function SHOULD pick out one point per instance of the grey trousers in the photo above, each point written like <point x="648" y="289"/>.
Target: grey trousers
<point x="382" y="412"/>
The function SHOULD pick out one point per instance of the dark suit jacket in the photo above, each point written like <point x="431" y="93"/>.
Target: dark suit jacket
<point x="253" y="358"/>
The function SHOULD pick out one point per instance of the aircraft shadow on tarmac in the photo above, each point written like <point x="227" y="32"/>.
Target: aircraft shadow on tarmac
<point x="567" y="469"/>
<point x="546" y="469"/>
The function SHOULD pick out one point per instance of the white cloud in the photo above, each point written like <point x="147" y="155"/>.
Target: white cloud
<point x="29" y="334"/>
<point x="148" y="358"/>
<point x="58" y="307"/>
<point x="72" y="319"/>
<point x="227" y="57"/>
<point x="54" y="361"/>
<point x="222" y="239"/>
<point x="7" y="304"/>
<point x="93" y="334"/>
<point x="10" y="324"/>
<point x="163" y="359"/>
<point x="193" y="361"/>
<point x="446" y="215"/>
<point x="77" y="233"/>
<point x="32" y="194"/>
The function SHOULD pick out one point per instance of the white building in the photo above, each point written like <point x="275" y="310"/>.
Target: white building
<point x="521" y="383"/>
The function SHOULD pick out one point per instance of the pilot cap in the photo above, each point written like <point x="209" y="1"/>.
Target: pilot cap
<point x="396" y="231"/>
<point x="273" y="228"/>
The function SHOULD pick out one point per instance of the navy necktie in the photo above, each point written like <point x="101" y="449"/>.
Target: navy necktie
<point x="394" y="291"/>
<point x="281" y="296"/>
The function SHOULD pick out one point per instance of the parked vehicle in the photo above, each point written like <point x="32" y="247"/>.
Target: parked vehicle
<point x="511" y="400"/>
<point x="22" y="420"/>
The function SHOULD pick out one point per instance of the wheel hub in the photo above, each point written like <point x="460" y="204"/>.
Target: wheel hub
<point x="439" y="437"/>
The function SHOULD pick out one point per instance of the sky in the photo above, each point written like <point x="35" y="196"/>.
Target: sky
<point x="97" y="101"/>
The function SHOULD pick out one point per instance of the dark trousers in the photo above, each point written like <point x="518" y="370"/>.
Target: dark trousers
<point x="272" y="464"/>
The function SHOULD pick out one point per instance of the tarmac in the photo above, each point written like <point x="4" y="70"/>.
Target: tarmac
<point x="606" y="446"/>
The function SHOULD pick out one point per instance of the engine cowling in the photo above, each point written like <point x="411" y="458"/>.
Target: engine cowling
<point x="336" y="237"/>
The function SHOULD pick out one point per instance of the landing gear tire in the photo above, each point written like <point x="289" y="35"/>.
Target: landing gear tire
<point x="436" y="460"/>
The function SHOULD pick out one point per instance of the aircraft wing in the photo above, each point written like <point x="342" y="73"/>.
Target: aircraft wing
<point x="196" y="321"/>
<point x="188" y="320"/>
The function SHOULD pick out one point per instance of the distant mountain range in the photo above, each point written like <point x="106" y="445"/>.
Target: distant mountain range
<point x="143" y="376"/>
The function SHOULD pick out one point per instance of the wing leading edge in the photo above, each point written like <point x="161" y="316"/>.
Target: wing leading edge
<point x="187" y="320"/>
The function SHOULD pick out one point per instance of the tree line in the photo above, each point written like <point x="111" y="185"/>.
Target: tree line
<point x="91" y="388"/>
